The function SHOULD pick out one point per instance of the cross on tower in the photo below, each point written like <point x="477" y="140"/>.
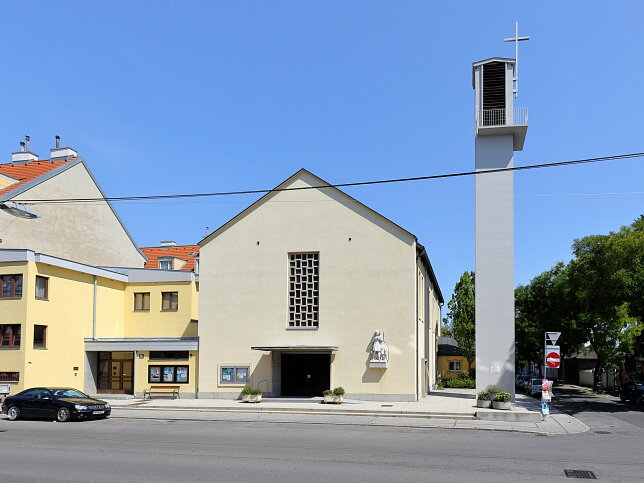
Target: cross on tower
<point x="516" y="39"/>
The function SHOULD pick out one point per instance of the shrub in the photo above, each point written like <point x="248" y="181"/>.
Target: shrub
<point x="459" y="383"/>
<point x="251" y="390"/>
<point x="440" y="384"/>
<point x="503" y="396"/>
<point x="482" y="396"/>
<point x="464" y="375"/>
<point x="494" y="389"/>
<point x="338" y="391"/>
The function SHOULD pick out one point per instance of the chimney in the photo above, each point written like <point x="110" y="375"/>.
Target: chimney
<point x="60" y="154"/>
<point x="168" y="244"/>
<point x="24" y="155"/>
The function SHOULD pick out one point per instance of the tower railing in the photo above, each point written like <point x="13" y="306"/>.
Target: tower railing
<point x="502" y="117"/>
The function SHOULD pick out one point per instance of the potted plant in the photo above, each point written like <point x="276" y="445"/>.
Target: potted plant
<point x="502" y="400"/>
<point x="492" y="390"/>
<point x="482" y="400"/>
<point x="251" y="394"/>
<point x="334" y="396"/>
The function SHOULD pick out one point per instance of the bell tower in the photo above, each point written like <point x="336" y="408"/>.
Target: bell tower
<point x="500" y="129"/>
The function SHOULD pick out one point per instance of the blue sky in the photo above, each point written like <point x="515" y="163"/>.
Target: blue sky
<point x="167" y="97"/>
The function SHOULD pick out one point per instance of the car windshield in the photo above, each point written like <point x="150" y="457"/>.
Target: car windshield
<point x="68" y="393"/>
<point x="640" y="386"/>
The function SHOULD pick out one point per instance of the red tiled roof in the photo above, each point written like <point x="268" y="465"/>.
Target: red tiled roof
<point x="183" y="252"/>
<point x="24" y="173"/>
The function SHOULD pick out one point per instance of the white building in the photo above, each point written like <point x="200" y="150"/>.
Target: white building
<point x="294" y="288"/>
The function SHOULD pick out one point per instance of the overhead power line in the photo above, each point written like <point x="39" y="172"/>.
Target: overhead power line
<point x="340" y="185"/>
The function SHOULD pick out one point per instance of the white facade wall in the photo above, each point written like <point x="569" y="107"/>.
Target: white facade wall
<point x="368" y="281"/>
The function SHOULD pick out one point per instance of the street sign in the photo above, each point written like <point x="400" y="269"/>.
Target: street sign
<point x="553" y="337"/>
<point x="553" y="360"/>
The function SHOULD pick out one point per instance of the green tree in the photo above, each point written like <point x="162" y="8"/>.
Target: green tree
<point x="598" y="298"/>
<point x="461" y="319"/>
<point x="540" y="307"/>
<point x="605" y="287"/>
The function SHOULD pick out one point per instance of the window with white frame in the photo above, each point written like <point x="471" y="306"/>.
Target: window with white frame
<point x="165" y="263"/>
<point x="454" y="366"/>
<point x="304" y="285"/>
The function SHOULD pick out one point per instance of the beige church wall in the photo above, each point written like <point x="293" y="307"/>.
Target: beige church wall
<point x="367" y="282"/>
<point x="87" y="232"/>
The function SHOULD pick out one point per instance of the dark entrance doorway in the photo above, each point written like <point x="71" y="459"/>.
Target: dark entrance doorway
<point x="305" y="374"/>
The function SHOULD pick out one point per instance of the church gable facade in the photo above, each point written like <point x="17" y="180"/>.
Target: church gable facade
<point x="305" y="289"/>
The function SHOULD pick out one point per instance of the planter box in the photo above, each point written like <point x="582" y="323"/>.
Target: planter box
<point x="483" y="403"/>
<point x="333" y="399"/>
<point x="501" y="405"/>
<point x="251" y="398"/>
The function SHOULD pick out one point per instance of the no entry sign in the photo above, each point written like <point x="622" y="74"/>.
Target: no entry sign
<point x="553" y="360"/>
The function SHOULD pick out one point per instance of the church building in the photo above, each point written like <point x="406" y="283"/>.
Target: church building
<point x="308" y="289"/>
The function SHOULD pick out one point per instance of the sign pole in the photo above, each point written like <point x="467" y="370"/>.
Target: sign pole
<point x="552" y="353"/>
<point x="545" y="353"/>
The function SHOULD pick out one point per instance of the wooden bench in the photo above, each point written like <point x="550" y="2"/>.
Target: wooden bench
<point x="172" y="390"/>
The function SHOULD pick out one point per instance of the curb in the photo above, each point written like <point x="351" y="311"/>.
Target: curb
<point x="329" y="412"/>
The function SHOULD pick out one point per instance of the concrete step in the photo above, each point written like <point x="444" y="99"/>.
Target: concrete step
<point x="517" y="414"/>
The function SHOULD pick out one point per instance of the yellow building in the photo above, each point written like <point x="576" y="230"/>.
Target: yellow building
<point x="451" y="361"/>
<point x="101" y="330"/>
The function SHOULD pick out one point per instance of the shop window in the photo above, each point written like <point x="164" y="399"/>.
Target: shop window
<point x="142" y="301"/>
<point x="169" y="300"/>
<point x="42" y="288"/>
<point x="234" y="375"/>
<point x="11" y="286"/>
<point x="168" y="374"/>
<point x="10" y="336"/>
<point x="40" y="336"/>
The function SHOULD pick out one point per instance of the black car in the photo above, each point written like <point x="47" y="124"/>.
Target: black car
<point x="59" y="403"/>
<point x="632" y="390"/>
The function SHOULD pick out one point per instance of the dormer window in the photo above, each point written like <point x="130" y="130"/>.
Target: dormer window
<point x="165" y="263"/>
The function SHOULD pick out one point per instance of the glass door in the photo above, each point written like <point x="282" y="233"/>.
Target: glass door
<point x="115" y="375"/>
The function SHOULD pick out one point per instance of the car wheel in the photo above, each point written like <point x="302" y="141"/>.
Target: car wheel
<point x="638" y="400"/>
<point x="622" y="398"/>
<point x="13" y="413"/>
<point x="63" y="415"/>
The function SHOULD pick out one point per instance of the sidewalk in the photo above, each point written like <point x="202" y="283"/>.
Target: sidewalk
<point x="454" y="408"/>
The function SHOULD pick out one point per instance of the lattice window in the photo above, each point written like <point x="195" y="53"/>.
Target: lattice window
<point x="304" y="281"/>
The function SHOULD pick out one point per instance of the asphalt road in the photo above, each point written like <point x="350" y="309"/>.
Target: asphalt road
<point x="601" y="412"/>
<point x="167" y="450"/>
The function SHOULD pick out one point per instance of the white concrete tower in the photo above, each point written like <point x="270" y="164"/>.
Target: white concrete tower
<point x="500" y="130"/>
